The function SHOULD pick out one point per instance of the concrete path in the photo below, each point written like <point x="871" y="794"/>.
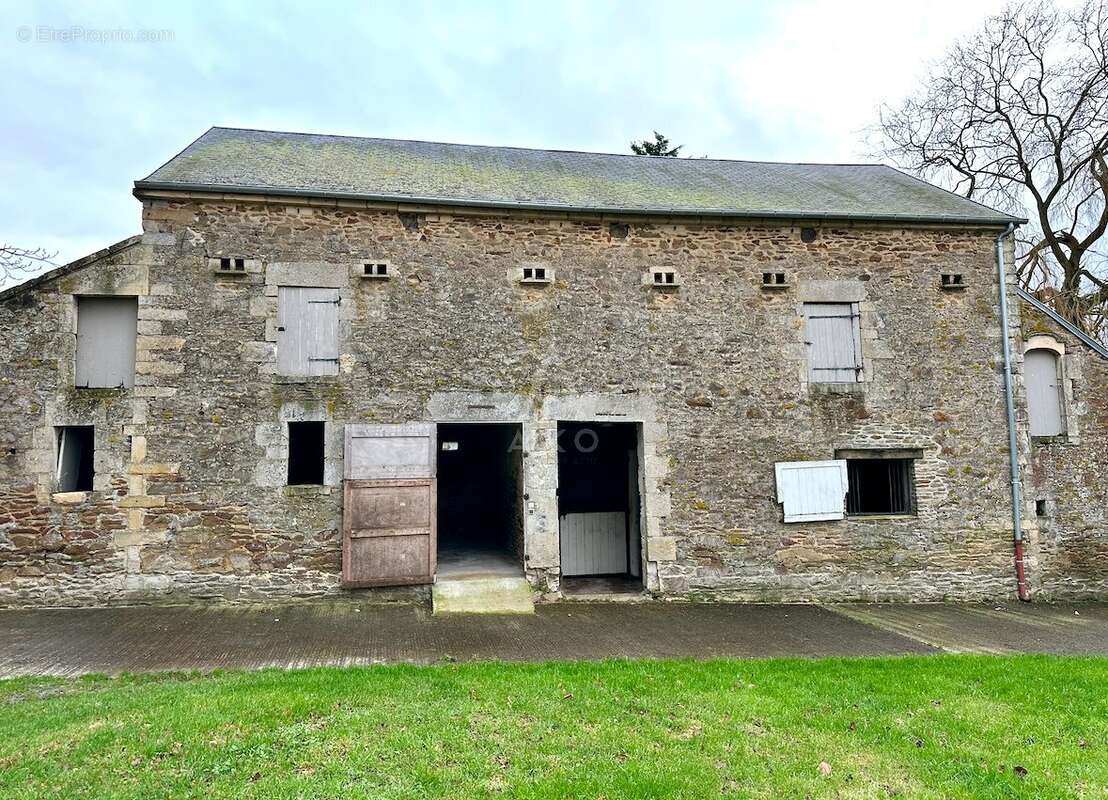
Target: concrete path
<point x="75" y="641"/>
<point x="1064" y="629"/>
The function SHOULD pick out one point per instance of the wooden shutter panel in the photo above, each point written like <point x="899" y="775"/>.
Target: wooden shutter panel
<point x="833" y="334"/>
<point x="307" y="331"/>
<point x="1044" y="393"/>
<point x="390" y="452"/>
<point x="389" y="516"/>
<point x="812" y="490"/>
<point x="594" y="543"/>
<point x="107" y="328"/>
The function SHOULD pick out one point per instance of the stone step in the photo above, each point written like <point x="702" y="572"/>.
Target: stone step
<point x="482" y="595"/>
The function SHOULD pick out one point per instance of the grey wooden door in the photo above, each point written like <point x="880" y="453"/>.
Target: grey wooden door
<point x="389" y="505"/>
<point x="307" y="331"/>
<point x="1044" y="393"/>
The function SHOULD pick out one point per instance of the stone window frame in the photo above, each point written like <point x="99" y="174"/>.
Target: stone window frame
<point x="931" y="484"/>
<point x="107" y="280"/>
<point x="912" y="455"/>
<point x="874" y="351"/>
<point x="1067" y="366"/>
<point x="305" y="274"/>
<point x="518" y="274"/>
<point x="108" y="460"/>
<point x="271" y="470"/>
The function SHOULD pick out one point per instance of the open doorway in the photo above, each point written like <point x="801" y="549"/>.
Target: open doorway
<point x="480" y="499"/>
<point x="599" y="507"/>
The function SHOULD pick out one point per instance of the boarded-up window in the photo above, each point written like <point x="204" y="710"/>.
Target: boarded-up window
<point x="1044" y="393"/>
<point x="834" y="342"/>
<point x="106" y="332"/>
<point x="812" y="490"/>
<point x="307" y="331"/>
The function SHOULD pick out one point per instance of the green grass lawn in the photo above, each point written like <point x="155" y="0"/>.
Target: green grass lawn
<point x="941" y="726"/>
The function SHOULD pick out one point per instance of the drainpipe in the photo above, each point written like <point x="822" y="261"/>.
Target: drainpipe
<point x="1010" y="403"/>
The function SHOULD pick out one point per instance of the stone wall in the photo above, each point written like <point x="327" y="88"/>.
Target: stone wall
<point x="1067" y="483"/>
<point x="190" y="501"/>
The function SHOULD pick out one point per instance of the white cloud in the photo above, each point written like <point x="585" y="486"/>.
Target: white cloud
<point x="819" y="73"/>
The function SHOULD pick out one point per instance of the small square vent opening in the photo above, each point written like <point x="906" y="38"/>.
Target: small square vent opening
<point x="774" y="280"/>
<point x="231" y="265"/>
<point x="953" y="280"/>
<point x="534" y="274"/>
<point x="664" y="278"/>
<point x="375" y="269"/>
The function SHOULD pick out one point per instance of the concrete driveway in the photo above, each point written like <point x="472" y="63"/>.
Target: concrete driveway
<point x="113" y="640"/>
<point x="1063" y="629"/>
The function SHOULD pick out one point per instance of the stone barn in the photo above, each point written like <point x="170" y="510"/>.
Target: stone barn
<point x="331" y="365"/>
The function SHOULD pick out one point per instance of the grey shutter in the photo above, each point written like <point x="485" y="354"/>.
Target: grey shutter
<point x="106" y="331"/>
<point x="833" y="334"/>
<point x="1044" y="395"/>
<point x="307" y="331"/>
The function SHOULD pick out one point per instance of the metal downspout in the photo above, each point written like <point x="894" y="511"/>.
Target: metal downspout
<point x="1010" y="404"/>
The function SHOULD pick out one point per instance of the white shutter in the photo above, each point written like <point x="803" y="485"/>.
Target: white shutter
<point x="1044" y="395"/>
<point x="812" y="490"/>
<point x="833" y="334"/>
<point x="307" y="331"/>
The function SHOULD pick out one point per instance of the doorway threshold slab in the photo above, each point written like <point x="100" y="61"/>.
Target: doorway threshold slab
<point x="482" y="595"/>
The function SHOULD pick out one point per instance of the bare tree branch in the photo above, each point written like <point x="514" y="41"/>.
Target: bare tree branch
<point x="17" y="263"/>
<point x="1016" y="117"/>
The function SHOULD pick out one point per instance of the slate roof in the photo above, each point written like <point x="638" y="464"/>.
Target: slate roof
<point x="267" y="162"/>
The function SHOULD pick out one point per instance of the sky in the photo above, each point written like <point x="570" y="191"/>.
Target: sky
<point x="95" y="96"/>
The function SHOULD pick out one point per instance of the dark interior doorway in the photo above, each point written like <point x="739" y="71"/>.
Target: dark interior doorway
<point x="480" y="499"/>
<point x="598" y="506"/>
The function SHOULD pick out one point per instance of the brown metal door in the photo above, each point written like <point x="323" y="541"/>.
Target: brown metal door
<point x="389" y="516"/>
